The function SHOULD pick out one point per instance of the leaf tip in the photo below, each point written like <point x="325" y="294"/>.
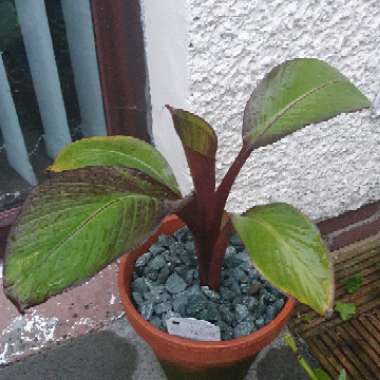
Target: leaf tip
<point x="21" y="308"/>
<point x="53" y="169"/>
<point x="327" y="308"/>
<point x="170" y="109"/>
<point x="329" y="312"/>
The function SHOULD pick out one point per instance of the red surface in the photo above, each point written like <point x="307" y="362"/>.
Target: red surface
<point x="188" y="353"/>
<point x="121" y="56"/>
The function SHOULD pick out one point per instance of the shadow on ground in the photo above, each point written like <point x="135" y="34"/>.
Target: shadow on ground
<point x="99" y="356"/>
<point x="280" y="364"/>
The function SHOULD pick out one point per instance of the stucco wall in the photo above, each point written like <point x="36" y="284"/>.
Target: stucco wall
<point x="322" y="169"/>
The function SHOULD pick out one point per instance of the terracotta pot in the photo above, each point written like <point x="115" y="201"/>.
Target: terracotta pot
<point x="184" y="359"/>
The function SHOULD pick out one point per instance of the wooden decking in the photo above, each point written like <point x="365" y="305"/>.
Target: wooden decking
<point x="353" y="344"/>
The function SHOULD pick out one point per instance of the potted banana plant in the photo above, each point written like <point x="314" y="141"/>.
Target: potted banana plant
<point x="107" y="196"/>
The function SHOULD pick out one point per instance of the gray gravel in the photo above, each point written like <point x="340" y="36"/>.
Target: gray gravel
<point x="166" y="284"/>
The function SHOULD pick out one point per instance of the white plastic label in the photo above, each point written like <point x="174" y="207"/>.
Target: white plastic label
<point x="192" y="328"/>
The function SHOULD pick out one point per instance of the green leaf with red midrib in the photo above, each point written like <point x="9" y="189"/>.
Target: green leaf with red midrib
<point x="77" y="223"/>
<point x="200" y="144"/>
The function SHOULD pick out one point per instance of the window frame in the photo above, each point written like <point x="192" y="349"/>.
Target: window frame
<point x="122" y="66"/>
<point x="120" y="51"/>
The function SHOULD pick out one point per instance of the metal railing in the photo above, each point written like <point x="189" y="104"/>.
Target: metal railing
<point x="33" y="21"/>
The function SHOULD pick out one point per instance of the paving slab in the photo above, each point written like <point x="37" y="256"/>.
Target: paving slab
<point x="116" y="352"/>
<point x="71" y="314"/>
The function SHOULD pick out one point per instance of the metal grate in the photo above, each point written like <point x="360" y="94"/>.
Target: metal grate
<point x="37" y="39"/>
<point x="353" y="344"/>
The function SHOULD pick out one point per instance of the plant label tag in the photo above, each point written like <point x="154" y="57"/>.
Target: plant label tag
<point x="194" y="329"/>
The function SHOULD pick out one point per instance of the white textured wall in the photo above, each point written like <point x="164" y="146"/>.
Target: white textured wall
<point x="324" y="169"/>
<point x="165" y="30"/>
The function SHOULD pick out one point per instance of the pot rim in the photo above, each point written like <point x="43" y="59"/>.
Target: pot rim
<point x="128" y="261"/>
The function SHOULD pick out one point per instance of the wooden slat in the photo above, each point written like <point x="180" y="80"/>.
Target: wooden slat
<point x="328" y="361"/>
<point x="308" y="322"/>
<point x="353" y="251"/>
<point x="354" y="351"/>
<point x="374" y="320"/>
<point x="352" y="256"/>
<point x="366" y="349"/>
<point x="369" y="338"/>
<point x="318" y="324"/>
<point x="353" y="344"/>
<point x="333" y="344"/>
<point x="367" y="262"/>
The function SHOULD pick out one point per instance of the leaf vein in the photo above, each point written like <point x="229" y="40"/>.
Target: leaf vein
<point x="286" y="109"/>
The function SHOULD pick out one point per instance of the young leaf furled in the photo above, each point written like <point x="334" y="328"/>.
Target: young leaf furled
<point x="195" y="133"/>
<point x="200" y="144"/>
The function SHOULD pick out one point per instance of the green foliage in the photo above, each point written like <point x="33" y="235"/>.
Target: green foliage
<point x="77" y="223"/>
<point x="124" y="151"/>
<point x="108" y="194"/>
<point x="294" y="94"/>
<point x="346" y="310"/>
<point x="287" y="249"/>
<point x="353" y="284"/>
<point x="320" y="374"/>
<point x="291" y="342"/>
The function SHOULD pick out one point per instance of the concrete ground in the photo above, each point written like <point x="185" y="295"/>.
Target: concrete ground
<point x="117" y="353"/>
